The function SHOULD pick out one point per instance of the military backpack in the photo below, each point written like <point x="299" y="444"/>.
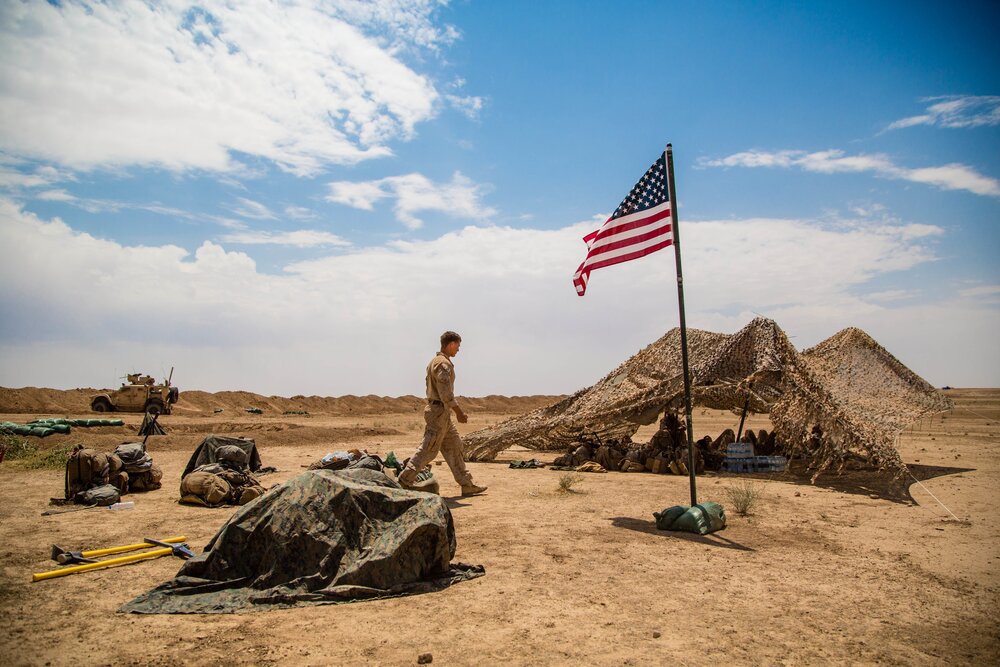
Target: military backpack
<point x="214" y="484"/>
<point x="85" y="468"/>
<point x="102" y="496"/>
<point x="134" y="457"/>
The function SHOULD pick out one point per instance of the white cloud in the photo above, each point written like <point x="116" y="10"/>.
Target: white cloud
<point x="248" y="208"/>
<point x="56" y="195"/>
<point x="986" y="292"/>
<point x="891" y="295"/>
<point x="363" y="195"/>
<point x="363" y="320"/>
<point x="13" y="179"/>
<point x="954" y="177"/>
<point x="301" y="238"/>
<point x="948" y="177"/>
<point x="470" y="106"/>
<point x="300" y="83"/>
<point x="300" y="213"/>
<point x="460" y="198"/>
<point x="955" y="111"/>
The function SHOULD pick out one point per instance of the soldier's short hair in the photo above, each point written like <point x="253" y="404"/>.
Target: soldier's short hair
<point x="450" y="337"/>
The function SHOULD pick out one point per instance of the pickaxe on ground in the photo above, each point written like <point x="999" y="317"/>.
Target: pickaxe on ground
<point x="180" y="550"/>
<point x="67" y="557"/>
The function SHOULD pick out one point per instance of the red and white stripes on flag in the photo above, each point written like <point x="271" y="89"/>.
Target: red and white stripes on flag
<point x="641" y="225"/>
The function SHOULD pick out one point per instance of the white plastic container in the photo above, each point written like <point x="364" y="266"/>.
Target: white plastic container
<point x="739" y="450"/>
<point x="117" y="507"/>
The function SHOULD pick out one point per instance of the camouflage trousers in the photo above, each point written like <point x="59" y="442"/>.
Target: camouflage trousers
<point x="440" y="435"/>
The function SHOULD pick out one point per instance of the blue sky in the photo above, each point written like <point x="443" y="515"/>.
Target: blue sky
<point x="299" y="197"/>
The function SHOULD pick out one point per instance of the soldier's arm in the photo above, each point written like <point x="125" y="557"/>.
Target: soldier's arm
<point x="444" y="381"/>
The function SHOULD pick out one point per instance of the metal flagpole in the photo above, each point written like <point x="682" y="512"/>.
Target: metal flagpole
<point x="680" y="305"/>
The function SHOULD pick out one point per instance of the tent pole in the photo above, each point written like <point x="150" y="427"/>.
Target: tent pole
<point x="680" y="305"/>
<point x="743" y="417"/>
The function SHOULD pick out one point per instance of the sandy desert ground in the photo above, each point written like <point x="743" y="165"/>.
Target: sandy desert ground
<point x="851" y="570"/>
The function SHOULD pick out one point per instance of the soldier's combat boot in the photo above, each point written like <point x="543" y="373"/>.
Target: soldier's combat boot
<point x="472" y="489"/>
<point x="407" y="478"/>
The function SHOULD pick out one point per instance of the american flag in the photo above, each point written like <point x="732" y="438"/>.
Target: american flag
<point x="639" y="226"/>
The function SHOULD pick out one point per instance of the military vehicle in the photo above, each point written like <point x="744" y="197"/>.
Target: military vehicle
<point x="140" y="394"/>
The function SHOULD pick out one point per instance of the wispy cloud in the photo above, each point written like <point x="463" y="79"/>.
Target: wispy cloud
<point x="300" y="213"/>
<point x="248" y="208"/>
<point x="298" y="83"/>
<point x="990" y="292"/>
<point x="952" y="176"/>
<point x="470" y="106"/>
<point x="302" y="238"/>
<point x="16" y="174"/>
<point x="955" y="111"/>
<point x="891" y="295"/>
<point x="459" y="198"/>
<point x="56" y="195"/>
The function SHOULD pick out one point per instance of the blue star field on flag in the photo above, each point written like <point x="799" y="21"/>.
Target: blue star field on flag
<point x="650" y="191"/>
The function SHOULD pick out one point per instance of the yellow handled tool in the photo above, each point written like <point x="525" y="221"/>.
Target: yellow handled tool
<point x="180" y="550"/>
<point x="65" y="556"/>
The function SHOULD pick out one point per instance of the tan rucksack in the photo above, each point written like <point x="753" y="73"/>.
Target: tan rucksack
<point x="85" y="469"/>
<point x="214" y="484"/>
<point x="204" y="488"/>
<point x="146" y="481"/>
<point x="117" y="477"/>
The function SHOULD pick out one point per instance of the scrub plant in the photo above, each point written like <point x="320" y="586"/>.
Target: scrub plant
<point x="744" y="496"/>
<point x="568" y="481"/>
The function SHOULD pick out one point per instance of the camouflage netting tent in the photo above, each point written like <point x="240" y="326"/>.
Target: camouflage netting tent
<point x="322" y="537"/>
<point x="849" y="385"/>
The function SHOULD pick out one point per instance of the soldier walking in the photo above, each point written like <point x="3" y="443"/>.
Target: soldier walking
<point x="439" y="431"/>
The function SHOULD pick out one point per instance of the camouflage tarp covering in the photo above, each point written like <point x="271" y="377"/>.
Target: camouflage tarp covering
<point x="205" y="453"/>
<point x="859" y="394"/>
<point x="322" y="537"/>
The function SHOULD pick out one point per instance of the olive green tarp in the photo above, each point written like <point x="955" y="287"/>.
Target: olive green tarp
<point x="322" y="537"/>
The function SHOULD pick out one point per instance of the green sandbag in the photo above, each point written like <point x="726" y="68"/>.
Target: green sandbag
<point x="98" y="422"/>
<point x="51" y="425"/>
<point x="50" y="422"/>
<point x="703" y="518"/>
<point x="21" y="429"/>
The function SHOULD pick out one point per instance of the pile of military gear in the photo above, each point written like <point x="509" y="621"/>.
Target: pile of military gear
<point x="220" y="472"/>
<point x="206" y="452"/>
<point x="526" y="465"/>
<point x="665" y="453"/>
<point x="141" y="474"/>
<point x="322" y="537"/>
<point x="93" y="477"/>
<point x="590" y="454"/>
<point x="351" y="459"/>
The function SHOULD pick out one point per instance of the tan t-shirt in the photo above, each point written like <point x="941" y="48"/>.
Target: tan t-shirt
<point x="441" y="380"/>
